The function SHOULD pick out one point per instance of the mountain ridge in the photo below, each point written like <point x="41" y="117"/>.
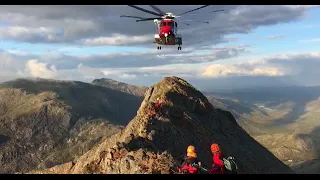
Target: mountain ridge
<point x="187" y="118"/>
<point x="120" y="86"/>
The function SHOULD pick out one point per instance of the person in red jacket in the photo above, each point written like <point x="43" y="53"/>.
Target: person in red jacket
<point x="218" y="165"/>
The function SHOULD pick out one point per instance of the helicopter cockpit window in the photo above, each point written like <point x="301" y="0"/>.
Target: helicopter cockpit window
<point x="170" y="24"/>
<point x="163" y="23"/>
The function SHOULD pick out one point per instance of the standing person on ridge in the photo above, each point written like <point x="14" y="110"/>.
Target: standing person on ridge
<point x="158" y="105"/>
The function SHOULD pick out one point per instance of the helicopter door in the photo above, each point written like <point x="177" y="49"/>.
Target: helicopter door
<point x="171" y="24"/>
<point x="175" y="27"/>
<point x="162" y="24"/>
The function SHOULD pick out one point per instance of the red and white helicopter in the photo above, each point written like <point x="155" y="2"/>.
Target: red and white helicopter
<point x="166" y="26"/>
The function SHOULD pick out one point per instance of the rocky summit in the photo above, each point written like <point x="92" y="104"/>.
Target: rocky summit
<point x="186" y="118"/>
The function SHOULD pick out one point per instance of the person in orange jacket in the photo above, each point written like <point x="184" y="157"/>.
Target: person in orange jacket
<point x="159" y="105"/>
<point x="218" y="165"/>
<point x="191" y="162"/>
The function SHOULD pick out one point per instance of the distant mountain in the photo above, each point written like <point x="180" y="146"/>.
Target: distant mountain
<point x="244" y="113"/>
<point x="47" y="122"/>
<point x="119" y="86"/>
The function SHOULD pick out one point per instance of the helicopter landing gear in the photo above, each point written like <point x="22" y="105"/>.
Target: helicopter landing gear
<point x="159" y="47"/>
<point x="179" y="47"/>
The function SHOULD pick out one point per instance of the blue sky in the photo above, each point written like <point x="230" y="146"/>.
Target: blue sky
<point x="267" y="41"/>
<point x="293" y="33"/>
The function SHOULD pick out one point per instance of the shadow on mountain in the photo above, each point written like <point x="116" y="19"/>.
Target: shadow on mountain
<point x="311" y="166"/>
<point x="295" y="112"/>
<point x="4" y="139"/>
<point x="86" y="100"/>
<point x="275" y="96"/>
<point x="315" y="132"/>
<point x="308" y="167"/>
<point x="242" y="107"/>
<point x="237" y="108"/>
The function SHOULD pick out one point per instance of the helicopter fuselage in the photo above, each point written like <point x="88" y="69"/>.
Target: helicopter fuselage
<point x="167" y="33"/>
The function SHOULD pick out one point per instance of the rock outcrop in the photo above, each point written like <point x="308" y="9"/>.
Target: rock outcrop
<point x="186" y="117"/>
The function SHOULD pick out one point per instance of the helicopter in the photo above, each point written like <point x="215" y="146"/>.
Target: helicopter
<point x="167" y="26"/>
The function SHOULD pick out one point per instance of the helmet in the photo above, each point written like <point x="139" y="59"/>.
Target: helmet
<point x="191" y="149"/>
<point x="215" y="148"/>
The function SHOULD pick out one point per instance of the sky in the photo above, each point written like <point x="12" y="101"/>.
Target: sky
<point x="244" y="46"/>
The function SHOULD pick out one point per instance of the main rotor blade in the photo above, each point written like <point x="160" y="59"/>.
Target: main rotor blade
<point x="209" y="12"/>
<point x="199" y="21"/>
<point x="136" y="17"/>
<point x="157" y="9"/>
<point x="144" y="10"/>
<point x="218" y="10"/>
<point x="179" y="21"/>
<point x="147" y="19"/>
<point x="193" y="10"/>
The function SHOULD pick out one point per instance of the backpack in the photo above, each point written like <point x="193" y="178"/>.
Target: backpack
<point x="230" y="165"/>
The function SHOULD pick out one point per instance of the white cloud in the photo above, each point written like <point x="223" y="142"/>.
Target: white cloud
<point x="230" y="38"/>
<point x="128" y="76"/>
<point x="297" y="56"/>
<point x="183" y="70"/>
<point x="41" y="70"/>
<point x="28" y="33"/>
<point x="88" y="71"/>
<point x="219" y="70"/>
<point x="94" y="73"/>
<point x="117" y="39"/>
<point x="10" y="68"/>
<point x="148" y="67"/>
